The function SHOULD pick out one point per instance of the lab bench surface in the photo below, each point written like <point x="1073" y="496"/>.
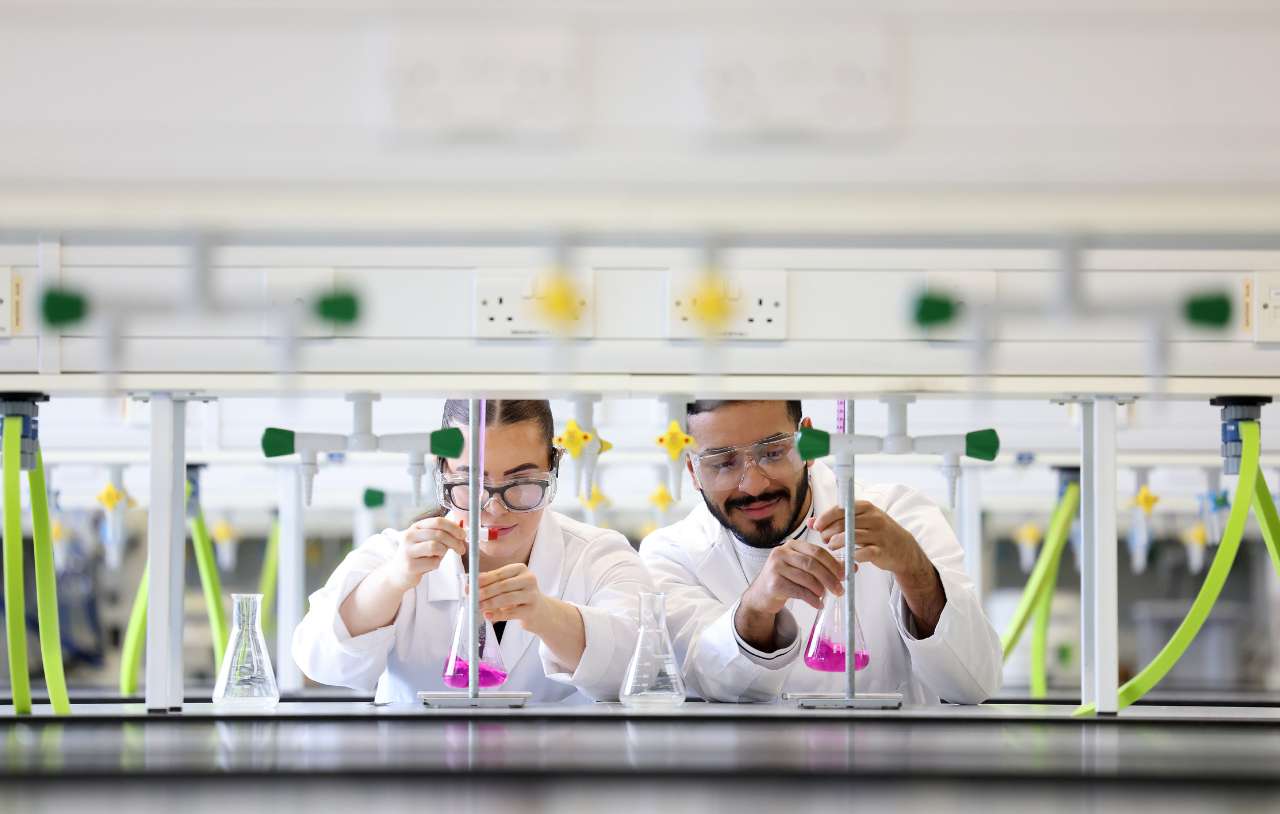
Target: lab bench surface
<point x="997" y="742"/>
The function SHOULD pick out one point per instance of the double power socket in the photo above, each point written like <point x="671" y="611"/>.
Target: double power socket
<point x="508" y="305"/>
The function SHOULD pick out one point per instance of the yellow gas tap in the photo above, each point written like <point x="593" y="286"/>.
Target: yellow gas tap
<point x="675" y="440"/>
<point x="712" y="307"/>
<point x="661" y="498"/>
<point x="596" y="500"/>
<point x="574" y="439"/>
<point x="1146" y="500"/>
<point x="110" y="497"/>
<point x="558" y="301"/>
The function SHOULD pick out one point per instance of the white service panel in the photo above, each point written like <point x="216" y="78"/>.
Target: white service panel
<point x="6" y="301"/>
<point x="1266" y="306"/>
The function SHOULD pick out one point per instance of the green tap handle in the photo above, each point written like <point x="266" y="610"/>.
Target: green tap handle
<point x="63" y="306"/>
<point x="813" y="443"/>
<point x="447" y="442"/>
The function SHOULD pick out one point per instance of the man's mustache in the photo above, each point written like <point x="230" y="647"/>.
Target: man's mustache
<point x="765" y="497"/>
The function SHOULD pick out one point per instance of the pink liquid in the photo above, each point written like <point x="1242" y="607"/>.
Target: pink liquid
<point x="828" y="657"/>
<point x="459" y="680"/>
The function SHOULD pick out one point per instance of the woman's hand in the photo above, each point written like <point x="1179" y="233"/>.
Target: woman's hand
<point x="511" y="592"/>
<point x="422" y="547"/>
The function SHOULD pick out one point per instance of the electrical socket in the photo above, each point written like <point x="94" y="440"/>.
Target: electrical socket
<point x="758" y="300"/>
<point x="506" y="306"/>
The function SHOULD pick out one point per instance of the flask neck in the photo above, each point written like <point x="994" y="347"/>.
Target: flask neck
<point x="246" y="610"/>
<point x="653" y="611"/>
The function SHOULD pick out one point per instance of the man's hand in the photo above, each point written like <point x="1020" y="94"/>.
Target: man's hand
<point x="889" y="547"/>
<point x="795" y="570"/>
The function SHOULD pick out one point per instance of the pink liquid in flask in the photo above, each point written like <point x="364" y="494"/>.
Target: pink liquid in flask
<point x="488" y="676"/>
<point x="828" y="657"/>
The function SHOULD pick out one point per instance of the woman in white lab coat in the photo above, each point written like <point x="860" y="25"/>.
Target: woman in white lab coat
<point x="563" y="595"/>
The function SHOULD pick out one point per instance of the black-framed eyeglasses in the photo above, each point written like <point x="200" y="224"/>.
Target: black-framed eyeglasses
<point x="527" y="493"/>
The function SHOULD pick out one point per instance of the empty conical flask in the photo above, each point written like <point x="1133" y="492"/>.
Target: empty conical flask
<point x="491" y="671"/>
<point x="653" y="676"/>
<point x="825" y="649"/>
<point x="246" y="680"/>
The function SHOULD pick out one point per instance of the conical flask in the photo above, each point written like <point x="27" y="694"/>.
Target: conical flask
<point x="825" y="649"/>
<point x="492" y="672"/>
<point x="246" y="680"/>
<point x="653" y="676"/>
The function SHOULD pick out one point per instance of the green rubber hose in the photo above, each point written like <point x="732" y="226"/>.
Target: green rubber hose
<point x="1265" y="510"/>
<point x="1153" y="673"/>
<point x="15" y="600"/>
<point x="1040" y="631"/>
<point x="207" y="565"/>
<point x="270" y="567"/>
<point x="135" y="638"/>
<point x="47" y="591"/>
<point x="1059" y="527"/>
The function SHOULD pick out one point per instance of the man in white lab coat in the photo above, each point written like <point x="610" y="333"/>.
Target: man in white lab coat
<point x="746" y="572"/>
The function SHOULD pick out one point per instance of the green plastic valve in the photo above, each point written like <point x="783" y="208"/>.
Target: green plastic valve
<point x="62" y="306"/>
<point x="447" y="443"/>
<point x="1208" y="310"/>
<point x="982" y="444"/>
<point x="934" y="309"/>
<point x="373" y="498"/>
<point x="340" y="306"/>
<point x="277" y="442"/>
<point x="813" y="444"/>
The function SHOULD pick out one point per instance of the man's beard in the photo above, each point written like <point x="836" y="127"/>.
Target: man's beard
<point x="761" y="533"/>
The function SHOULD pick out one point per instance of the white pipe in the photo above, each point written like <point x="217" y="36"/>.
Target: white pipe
<point x="845" y="479"/>
<point x="475" y="479"/>
<point x="896" y="439"/>
<point x="1105" y="587"/>
<point x="290" y="578"/>
<point x="166" y="550"/>
<point x="362" y="438"/>
<point x="1087" y="556"/>
<point x="116" y="537"/>
<point x="970" y="523"/>
<point x="584" y="467"/>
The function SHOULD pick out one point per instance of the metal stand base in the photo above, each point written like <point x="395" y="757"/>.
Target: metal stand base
<point x="833" y="700"/>
<point x="488" y="700"/>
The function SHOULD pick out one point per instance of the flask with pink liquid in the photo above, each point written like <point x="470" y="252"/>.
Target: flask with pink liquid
<point x="825" y="649"/>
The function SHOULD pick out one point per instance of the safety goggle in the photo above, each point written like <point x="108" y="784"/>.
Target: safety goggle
<point x="723" y="469"/>
<point x="524" y="494"/>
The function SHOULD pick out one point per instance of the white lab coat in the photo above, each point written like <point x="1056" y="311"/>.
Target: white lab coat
<point x="595" y="569"/>
<point x="695" y="564"/>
